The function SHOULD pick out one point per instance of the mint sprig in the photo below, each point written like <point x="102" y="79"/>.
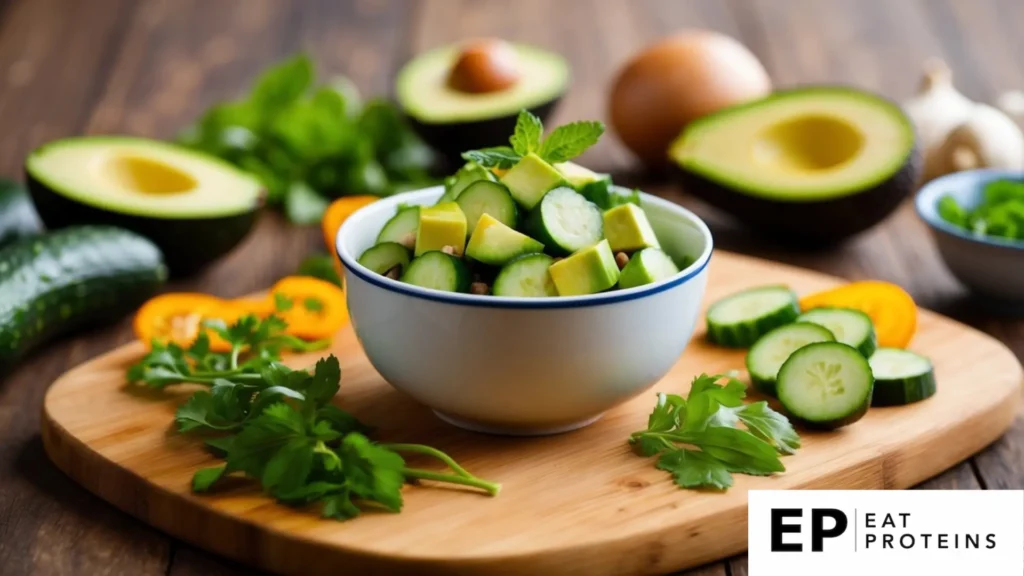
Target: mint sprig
<point x="697" y="441"/>
<point x="279" y="427"/>
<point x="564" y="143"/>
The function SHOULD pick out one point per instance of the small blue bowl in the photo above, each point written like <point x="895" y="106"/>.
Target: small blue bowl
<point x="992" y="267"/>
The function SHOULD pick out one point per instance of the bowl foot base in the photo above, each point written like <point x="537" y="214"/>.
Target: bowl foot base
<point x="499" y="430"/>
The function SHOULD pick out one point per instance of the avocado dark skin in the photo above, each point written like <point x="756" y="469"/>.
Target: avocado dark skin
<point x="808" y="224"/>
<point x="188" y="244"/>
<point x="452" y="139"/>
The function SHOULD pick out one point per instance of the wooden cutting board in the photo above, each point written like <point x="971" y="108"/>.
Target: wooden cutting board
<point x="578" y="503"/>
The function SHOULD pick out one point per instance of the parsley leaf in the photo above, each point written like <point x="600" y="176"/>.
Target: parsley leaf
<point x="528" y="131"/>
<point x="570" y="140"/>
<point x="770" y="426"/>
<point x="203" y="479"/>
<point x="695" y="469"/>
<point x="497" y="157"/>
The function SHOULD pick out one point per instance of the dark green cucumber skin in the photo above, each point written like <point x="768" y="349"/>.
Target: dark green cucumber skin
<point x="744" y="336"/>
<point x="188" y="244"/>
<point x="18" y="218"/>
<point x="451" y="139"/>
<point x="70" y="279"/>
<point x="902" y="391"/>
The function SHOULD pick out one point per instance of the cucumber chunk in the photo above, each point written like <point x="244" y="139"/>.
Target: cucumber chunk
<point x="566" y="222"/>
<point x="849" y="326"/>
<point x="646" y="267"/>
<point x="737" y="321"/>
<point x="383" y="257"/>
<point x="588" y="271"/>
<point x="769" y="353"/>
<point x="441" y="226"/>
<point x="402" y="227"/>
<point x="526" y="277"/>
<point x="439" y="271"/>
<point x="491" y="198"/>
<point x="627" y="229"/>
<point x="826" y="385"/>
<point x="901" y="377"/>
<point x="471" y="172"/>
<point x="530" y="179"/>
<point x="494" y="243"/>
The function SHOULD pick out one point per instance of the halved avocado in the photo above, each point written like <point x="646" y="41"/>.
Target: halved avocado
<point x="193" y="206"/>
<point x="810" y="165"/>
<point x="452" y="119"/>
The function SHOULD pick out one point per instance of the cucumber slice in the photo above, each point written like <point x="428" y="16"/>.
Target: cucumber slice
<point x="455" y="184"/>
<point x="737" y="321"/>
<point x="383" y="257"/>
<point x="495" y="244"/>
<point x="526" y="277"/>
<point x="826" y="385"/>
<point x="566" y="222"/>
<point x="849" y="326"/>
<point x="769" y="353"/>
<point x="646" y="267"/>
<point x="439" y="271"/>
<point x="483" y="197"/>
<point x="901" y="377"/>
<point x="402" y="227"/>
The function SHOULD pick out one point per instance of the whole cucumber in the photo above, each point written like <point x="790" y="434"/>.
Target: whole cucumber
<point x="18" y="218"/>
<point x="85" y="275"/>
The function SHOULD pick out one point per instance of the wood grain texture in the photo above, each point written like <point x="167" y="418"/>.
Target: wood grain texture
<point x="578" y="503"/>
<point x="149" y="66"/>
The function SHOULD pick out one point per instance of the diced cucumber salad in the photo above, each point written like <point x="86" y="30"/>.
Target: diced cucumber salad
<point x="824" y="365"/>
<point x="523" y="221"/>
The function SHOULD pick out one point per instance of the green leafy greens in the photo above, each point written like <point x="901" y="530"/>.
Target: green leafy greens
<point x="1000" y="212"/>
<point x="308" y="143"/>
<point x="277" y="426"/>
<point x="697" y="441"/>
<point x="562" y="144"/>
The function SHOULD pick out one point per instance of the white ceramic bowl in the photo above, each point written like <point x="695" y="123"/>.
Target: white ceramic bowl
<point x="524" y="365"/>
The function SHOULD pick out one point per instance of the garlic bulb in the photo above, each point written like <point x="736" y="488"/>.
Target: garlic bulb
<point x="987" y="139"/>
<point x="936" y="110"/>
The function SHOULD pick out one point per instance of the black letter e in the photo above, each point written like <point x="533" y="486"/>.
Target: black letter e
<point x="779" y="528"/>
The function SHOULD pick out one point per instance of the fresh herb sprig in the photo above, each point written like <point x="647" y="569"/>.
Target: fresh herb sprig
<point x="562" y="144"/>
<point x="278" y="426"/>
<point x="1000" y="213"/>
<point x="697" y="441"/>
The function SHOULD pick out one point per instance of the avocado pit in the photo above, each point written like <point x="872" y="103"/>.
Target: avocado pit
<point x="484" y="66"/>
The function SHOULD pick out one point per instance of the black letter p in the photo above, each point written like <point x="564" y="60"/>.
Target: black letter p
<point x="818" y="532"/>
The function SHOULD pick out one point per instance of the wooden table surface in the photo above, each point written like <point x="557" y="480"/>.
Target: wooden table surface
<point x="147" y="67"/>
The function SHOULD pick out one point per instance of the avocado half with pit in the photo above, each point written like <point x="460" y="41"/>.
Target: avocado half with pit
<point x="193" y="206"/>
<point x="811" y="165"/>
<point x="465" y="97"/>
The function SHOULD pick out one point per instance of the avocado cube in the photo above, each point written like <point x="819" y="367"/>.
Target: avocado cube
<point x="577" y="176"/>
<point x="441" y="226"/>
<point x="587" y="271"/>
<point x="530" y="179"/>
<point x="647" y="266"/>
<point x="627" y="229"/>
<point x="494" y="243"/>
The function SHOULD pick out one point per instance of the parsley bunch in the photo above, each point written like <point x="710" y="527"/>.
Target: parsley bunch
<point x="277" y="425"/>
<point x="563" y="144"/>
<point x="697" y="441"/>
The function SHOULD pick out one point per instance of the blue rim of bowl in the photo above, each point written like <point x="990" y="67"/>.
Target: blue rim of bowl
<point x="600" y="299"/>
<point x="978" y="177"/>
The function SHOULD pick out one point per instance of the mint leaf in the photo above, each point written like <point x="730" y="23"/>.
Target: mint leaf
<point x="528" y="131"/>
<point x="206" y="477"/>
<point x="497" y="157"/>
<point x="694" y="469"/>
<point x="570" y="140"/>
<point x="769" y="426"/>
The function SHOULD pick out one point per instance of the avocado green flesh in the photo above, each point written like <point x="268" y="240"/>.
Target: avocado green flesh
<point x="423" y="92"/>
<point x="68" y="279"/>
<point x="588" y="271"/>
<point x="143" y="178"/>
<point x="799" y="145"/>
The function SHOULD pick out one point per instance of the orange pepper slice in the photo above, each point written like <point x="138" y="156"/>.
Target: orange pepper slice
<point x="335" y="216"/>
<point x="891" y="309"/>
<point x="314" y="309"/>
<point x="178" y="318"/>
